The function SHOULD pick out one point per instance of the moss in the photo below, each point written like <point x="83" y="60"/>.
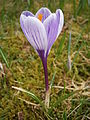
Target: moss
<point x="26" y="70"/>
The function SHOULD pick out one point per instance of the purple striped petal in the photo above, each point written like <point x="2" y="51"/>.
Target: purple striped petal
<point x="53" y="25"/>
<point x="44" y="13"/>
<point x="27" y="13"/>
<point x="34" y="31"/>
<point x="61" y="21"/>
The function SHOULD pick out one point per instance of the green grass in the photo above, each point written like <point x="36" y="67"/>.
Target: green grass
<point x="69" y="99"/>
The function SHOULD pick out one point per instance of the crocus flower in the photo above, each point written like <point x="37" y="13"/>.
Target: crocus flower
<point x="41" y="30"/>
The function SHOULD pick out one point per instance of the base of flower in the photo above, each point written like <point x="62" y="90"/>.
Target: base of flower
<point x="47" y="98"/>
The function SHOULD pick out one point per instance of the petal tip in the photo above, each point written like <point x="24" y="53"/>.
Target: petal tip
<point x="27" y="13"/>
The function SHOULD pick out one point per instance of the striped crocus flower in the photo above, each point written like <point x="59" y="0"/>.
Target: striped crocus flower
<point x="41" y="30"/>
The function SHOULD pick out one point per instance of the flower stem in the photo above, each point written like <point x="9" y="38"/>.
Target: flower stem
<point x="47" y="96"/>
<point x="44" y="61"/>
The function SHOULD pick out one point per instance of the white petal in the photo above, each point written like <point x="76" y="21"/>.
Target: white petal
<point x="34" y="31"/>
<point x="61" y="23"/>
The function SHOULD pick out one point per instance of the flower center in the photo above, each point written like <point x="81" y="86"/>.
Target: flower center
<point x="40" y="16"/>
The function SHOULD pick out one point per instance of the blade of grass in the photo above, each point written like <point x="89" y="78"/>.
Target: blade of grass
<point x="60" y="99"/>
<point x="52" y="81"/>
<point x="3" y="56"/>
<point x="35" y="98"/>
<point x="61" y="4"/>
<point x="74" y="9"/>
<point x="74" y="109"/>
<point x="28" y="1"/>
<point x="4" y="114"/>
<point x="78" y="108"/>
<point x="61" y="44"/>
<point x="82" y="5"/>
<point x="29" y="93"/>
<point x="64" y="115"/>
<point x="79" y="37"/>
<point x="49" y="6"/>
<point x="3" y="12"/>
<point x="88" y="2"/>
<point x="1" y="37"/>
<point x="77" y="54"/>
<point x="79" y="7"/>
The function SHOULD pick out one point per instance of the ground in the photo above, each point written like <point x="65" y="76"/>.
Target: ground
<point x="69" y="99"/>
